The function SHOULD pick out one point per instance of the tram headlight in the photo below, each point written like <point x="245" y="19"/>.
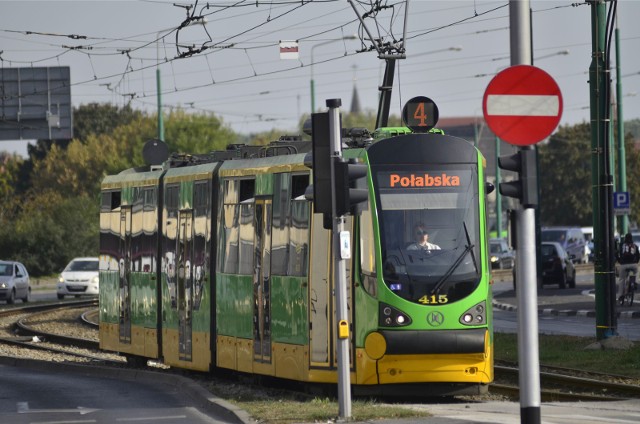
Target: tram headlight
<point x="392" y="317"/>
<point x="476" y="315"/>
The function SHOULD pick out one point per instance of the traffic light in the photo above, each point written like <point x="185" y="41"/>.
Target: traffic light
<point x="525" y="188"/>
<point x="320" y="162"/>
<point x="351" y="186"/>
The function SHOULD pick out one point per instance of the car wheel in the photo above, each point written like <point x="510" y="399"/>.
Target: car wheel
<point x="60" y="296"/>
<point x="563" y="280"/>
<point x="12" y="297"/>
<point x="27" y="297"/>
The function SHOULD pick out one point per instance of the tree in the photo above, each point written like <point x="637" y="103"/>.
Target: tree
<point x="565" y="180"/>
<point x="100" y="118"/>
<point x="564" y="170"/>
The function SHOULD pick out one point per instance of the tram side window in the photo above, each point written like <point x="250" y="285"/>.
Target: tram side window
<point x="110" y="200"/>
<point x="280" y="224"/>
<point x="237" y="232"/>
<point x="299" y="224"/>
<point x="368" y="253"/>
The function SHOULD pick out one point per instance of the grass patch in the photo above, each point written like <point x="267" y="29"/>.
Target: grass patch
<point x="569" y="351"/>
<point x="322" y="410"/>
<point x="274" y="406"/>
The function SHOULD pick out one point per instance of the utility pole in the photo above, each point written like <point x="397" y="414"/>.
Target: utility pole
<point x="601" y="178"/>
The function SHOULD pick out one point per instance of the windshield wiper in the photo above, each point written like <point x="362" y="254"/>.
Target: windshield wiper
<point x="455" y="265"/>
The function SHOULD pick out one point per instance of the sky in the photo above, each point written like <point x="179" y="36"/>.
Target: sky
<point x="230" y="65"/>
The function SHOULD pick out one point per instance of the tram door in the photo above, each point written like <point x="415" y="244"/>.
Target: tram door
<point x="184" y="293"/>
<point x="262" y="282"/>
<point x="124" y="279"/>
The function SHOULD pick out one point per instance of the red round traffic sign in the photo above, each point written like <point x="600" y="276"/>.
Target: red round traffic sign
<point x="522" y="105"/>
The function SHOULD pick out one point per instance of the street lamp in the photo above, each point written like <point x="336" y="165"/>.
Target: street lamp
<point x="313" y="88"/>
<point x="199" y="21"/>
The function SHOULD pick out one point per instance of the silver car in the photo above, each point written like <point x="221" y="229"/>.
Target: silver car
<point x="14" y="282"/>
<point x="80" y="277"/>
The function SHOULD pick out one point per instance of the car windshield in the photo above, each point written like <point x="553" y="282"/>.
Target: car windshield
<point x="82" y="266"/>
<point x="495" y="248"/>
<point x="6" y="269"/>
<point x="547" y="250"/>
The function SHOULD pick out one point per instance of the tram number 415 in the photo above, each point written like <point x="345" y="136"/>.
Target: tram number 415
<point x="433" y="299"/>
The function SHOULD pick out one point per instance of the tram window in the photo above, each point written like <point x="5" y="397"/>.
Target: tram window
<point x="229" y="239"/>
<point x="367" y="252"/>
<point x="299" y="184"/>
<point x="149" y="195"/>
<point x="279" y="226"/>
<point x="247" y="189"/>
<point x="299" y="238"/>
<point x="110" y="200"/>
<point x="247" y="233"/>
<point x="138" y="199"/>
<point x="200" y="197"/>
<point x="230" y="192"/>
<point x="171" y="201"/>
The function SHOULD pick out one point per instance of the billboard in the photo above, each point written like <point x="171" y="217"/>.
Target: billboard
<point x="35" y="103"/>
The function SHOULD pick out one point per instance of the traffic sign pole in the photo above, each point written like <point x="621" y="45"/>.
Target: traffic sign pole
<point x="340" y="272"/>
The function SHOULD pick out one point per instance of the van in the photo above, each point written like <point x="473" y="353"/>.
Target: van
<point x="570" y="238"/>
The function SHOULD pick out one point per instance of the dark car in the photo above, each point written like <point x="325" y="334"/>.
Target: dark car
<point x="557" y="267"/>
<point x="501" y="255"/>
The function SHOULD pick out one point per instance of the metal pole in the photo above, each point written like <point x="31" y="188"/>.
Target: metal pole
<point x="160" y="121"/>
<point x="529" y="374"/>
<point x="313" y="85"/>
<point x="622" y="159"/>
<point x="498" y="195"/>
<point x="604" y="271"/>
<point x="340" y="272"/>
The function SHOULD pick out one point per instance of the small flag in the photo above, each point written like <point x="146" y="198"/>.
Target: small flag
<point x="289" y="50"/>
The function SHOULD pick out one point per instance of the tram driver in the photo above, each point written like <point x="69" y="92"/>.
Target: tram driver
<point x="422" y="239"/>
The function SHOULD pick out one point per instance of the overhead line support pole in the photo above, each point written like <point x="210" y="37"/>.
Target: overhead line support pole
<point x="601" y="178"/>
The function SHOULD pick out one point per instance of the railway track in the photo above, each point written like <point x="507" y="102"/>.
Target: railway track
<point x="557" y="384"/>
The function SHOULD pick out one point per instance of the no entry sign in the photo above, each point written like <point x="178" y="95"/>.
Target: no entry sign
<point x="522" y="105"/>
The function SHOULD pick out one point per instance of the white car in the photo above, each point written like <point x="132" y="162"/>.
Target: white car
<point x="79" y="278"/>
<point x="14" y="282"/>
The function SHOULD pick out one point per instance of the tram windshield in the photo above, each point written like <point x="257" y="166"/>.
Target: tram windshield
<point x="429" y="225"/>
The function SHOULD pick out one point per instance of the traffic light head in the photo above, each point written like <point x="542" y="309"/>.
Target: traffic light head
<point x="525" y="188"/>
<point x="351" y="186"/>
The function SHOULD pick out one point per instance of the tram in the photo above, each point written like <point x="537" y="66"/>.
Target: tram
<point x="218" y="261"/>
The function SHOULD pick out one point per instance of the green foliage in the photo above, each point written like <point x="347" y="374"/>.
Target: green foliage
<point x="201" y="133"/>
<point x="50" y="231"/>
<point x="565" y="174"/>
<point x="9" y="167"/>
<point x="100" y="118"/>
<point x="565" y="177"/>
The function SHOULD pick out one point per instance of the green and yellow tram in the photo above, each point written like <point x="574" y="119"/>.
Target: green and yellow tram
<point x="219" y="261"/>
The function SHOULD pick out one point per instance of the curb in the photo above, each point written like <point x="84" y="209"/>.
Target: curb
<point x="566" y="312"/>
<point x="204" y="399"/>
